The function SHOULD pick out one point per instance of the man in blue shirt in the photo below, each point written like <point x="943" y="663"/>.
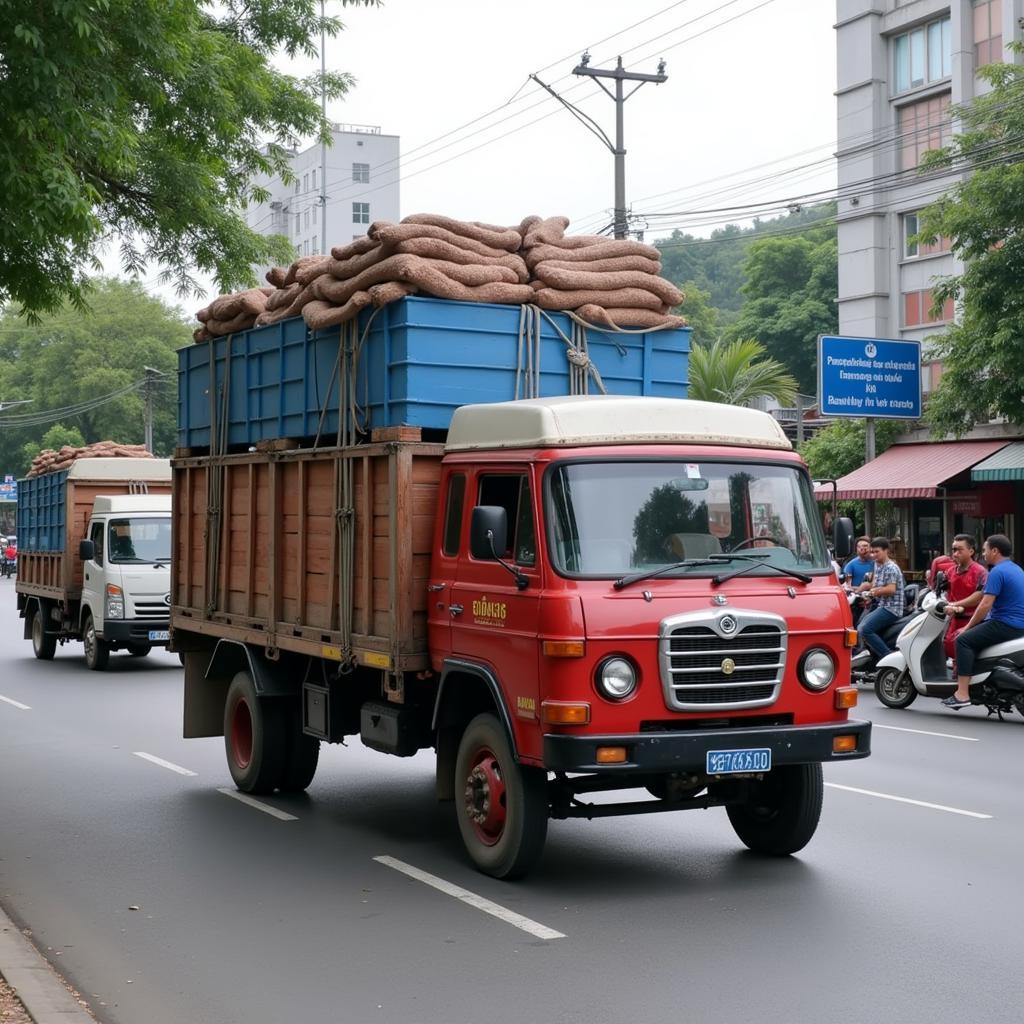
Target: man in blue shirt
<point x="857" y="568"/>
<point x="886" y="590"/>
<point x="998" y="617"/>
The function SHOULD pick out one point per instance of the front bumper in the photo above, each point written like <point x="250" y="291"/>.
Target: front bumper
<point x="134" y="631"/>
<point x="664" y="752"/>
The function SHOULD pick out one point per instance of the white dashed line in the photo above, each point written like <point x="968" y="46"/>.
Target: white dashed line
<point x="907" y="800"/>
<point x="169" y="765"/>
<point x="259" y="805"/>
<point x="539" y="931"/>
<point x="15" y="704"/>
<point x="924" y="732"/>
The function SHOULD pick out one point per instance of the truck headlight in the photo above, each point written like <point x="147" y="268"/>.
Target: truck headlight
<point x="115" y="603"/>
<point x="817" y="669"/>
<point x="616" y="678"/>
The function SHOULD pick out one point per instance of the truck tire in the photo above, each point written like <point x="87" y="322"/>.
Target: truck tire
<point x="255" y="737"/>
<point x="501" y="806"/>
<point x="302" y="757"/>
<point x="97" y="651"/>
<point x="139" y="650"/>
<point x="780" y="813"/>
<point x="44" y="645"/>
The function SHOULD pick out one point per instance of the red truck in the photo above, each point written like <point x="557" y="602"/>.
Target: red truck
<point x="571" y="596"/>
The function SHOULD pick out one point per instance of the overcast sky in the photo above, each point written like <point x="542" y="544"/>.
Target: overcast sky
<point x="749" y="95"/>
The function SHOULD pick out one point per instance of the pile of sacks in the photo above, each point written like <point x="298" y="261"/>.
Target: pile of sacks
<point x="50" y="461"/>
<point x="609" y="283"/>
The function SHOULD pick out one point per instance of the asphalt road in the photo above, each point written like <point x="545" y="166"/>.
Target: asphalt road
<point x="903" y="908"/>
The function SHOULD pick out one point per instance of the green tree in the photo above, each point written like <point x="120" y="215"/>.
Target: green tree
<point x="702" y="317"/>
<point x="838" y="449"/>
<point x="56" y="437"/>
<point x="71" y="358"/>
<point x="791" y="286"/>
<point x="146" y="120"/>
<point x="983" y="353"/>
<point x="736" y="372"/>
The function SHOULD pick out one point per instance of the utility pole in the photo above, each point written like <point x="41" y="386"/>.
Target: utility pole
<point x="620" y="76"/>
<point x="148" y="388"/>
<point x="323" y="144"/>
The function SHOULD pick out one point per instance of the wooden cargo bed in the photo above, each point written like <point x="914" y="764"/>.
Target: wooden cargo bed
<point x="258" y="545"/>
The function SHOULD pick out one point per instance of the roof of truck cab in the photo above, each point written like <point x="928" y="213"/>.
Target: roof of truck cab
<point x="121" y="469"/>
<point x="575" y="420"/>
<point x="123" y="504"/>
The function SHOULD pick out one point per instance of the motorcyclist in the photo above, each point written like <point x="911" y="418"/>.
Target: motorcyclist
<point x="886" y="588"/>
<point x="966" y="584"/>
<point x="855" y="572"/>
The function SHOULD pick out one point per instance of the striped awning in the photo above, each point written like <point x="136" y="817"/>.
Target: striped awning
<point x="1007" y="464"/>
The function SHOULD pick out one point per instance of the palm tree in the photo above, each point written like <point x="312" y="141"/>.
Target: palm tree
<point x="737" y="372"/>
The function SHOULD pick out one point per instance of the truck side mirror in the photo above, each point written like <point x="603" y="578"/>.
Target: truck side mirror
<point x="842" y="537"/>
<point x="488" y="532"/>
<point x="86" y="550"/>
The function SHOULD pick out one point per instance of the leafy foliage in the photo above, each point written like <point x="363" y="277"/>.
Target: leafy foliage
<point x="56" y="438"/>
<point x="67" y="359"/>
<point x="982" y="355"/>
<point x="146" y="120"/>
<point x="838" y="449"/>
<point x="703" y="318"/>
<point x="736" y="372"/>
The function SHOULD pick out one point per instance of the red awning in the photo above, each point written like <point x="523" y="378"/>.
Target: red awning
<point x="912" y="470"/>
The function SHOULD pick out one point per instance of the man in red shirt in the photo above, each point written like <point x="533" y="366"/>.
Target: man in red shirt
<point x="942" y="563"/>
<point x="966" y="588"/>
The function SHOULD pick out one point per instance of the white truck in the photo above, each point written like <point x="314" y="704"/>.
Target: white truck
<point x="95" y="560"/>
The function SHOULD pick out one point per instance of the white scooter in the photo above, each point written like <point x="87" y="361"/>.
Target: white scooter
<point x="918" y="666"/>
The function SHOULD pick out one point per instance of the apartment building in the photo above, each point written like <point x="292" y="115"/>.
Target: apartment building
<point x="361" y="186"/>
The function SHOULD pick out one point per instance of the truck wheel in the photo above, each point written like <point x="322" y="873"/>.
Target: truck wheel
<point x="139" y="650"/>
<point x="780" y="813"/>
<point x="255" y="737"/>
<point x="894" y="688"/>
<point x="44" y="645"/>
<point x="97" y="651"/>
<point x="502" y="806"/>
<point x="303" y="755"/>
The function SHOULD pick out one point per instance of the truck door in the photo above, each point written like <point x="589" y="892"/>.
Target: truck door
<point x="493" y="622"/>
<point x="444" y="565"/>
<point x="94" y="575"/>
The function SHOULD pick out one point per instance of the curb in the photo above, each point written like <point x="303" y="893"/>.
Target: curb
<point x="35" y="982"/>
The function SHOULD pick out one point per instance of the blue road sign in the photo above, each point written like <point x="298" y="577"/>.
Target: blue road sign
<point x="8" y="489"/>
<point x="869" y="377"/>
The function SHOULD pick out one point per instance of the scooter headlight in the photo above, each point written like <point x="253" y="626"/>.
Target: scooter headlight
<point x="817" y="669"/>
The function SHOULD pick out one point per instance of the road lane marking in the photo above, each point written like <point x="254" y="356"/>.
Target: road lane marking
<point x="540" y="931"/>
<point x="907" y="800"/>
<point x="170" y="765"/>
<point x="925" y="732"/>
<point x="15" y="704"/>
<point x="258" y="804"/>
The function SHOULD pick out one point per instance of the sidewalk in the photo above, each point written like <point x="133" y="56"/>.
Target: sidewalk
<point x="43" y="994"/>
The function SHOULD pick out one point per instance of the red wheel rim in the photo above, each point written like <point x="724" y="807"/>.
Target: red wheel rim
<point x="241" y="734"/>
<point x="485" y="796"/>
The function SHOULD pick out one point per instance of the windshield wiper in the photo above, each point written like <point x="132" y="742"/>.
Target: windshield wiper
<point x="625" y="581"/>
<point x="721" y="578"/>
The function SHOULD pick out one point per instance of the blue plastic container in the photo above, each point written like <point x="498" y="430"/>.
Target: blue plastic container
<point x="41" y="512"/>
<point x="422" y="358"/>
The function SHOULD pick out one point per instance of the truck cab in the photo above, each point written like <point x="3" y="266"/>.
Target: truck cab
<point x="126" y="575"/>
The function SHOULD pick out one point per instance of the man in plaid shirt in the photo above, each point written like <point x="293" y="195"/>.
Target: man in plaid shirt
<point x="885" y="587"/>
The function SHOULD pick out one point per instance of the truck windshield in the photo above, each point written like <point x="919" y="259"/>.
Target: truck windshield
<point x="140" y="540"/>
<point x="612" y="518"/>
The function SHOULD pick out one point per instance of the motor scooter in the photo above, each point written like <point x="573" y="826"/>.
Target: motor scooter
<point x="919" y="667"/>
<point x="864" y="664"/>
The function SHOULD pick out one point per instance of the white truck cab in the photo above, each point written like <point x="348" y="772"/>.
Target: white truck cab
<point x="126" y="580"/>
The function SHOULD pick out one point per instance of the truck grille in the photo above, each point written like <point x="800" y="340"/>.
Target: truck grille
<point x="152" y="610"/>
<point x="724" y="659"/>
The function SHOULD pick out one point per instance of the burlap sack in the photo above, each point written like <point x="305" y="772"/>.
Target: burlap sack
<point x="312" y="270"/>
<point x="302" y="261"/>
<point x="607" y="248"/>
<point x="616" y="263"/>
<point x="355" y="248"/>
<point x="435" y="248"/>
<point x="395" y="233"/>
<point x="585" y="280"/>
<point x="489" y="234"/>
<point x="319" y="314"/>
<point x="382" y="294"/>
<point x="543" y="231"/>
<point x="282" y="298"/>
<point x="276" y="276"/>
<point x="623" y="298"/>
<point x="354" y="265"/>
<point x="252" y="302"/>
<point x="628" y="318"/>
<point x="241" y="322"/>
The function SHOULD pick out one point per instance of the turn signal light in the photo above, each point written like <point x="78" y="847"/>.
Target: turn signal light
<point x="844" y="744"/>
<point x="611" y="755"/>
<point x="850" y="638"/>
<point x="563" y="648"/>
<point x="556" y="712"/>
<point x="846" y="697"/>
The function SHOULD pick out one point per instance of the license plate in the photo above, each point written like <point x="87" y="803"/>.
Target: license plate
<point x="159" y="634"/>
<point x="732" y="762"/>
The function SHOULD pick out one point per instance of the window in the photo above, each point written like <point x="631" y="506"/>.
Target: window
<point x="923" y="126"/>
<point x="912" y="249"/>
<point x="140" y="540"/>
<point x="988" y="32"/>
<point x="314" y="214"/>
<point x="361" y="173"/>
<point x="305" y="248"/>
<point x="360" y="213"/>
<point x="453" y="513"/>
<point x="922" y="55"/>
<point x="306" y="219"/>
<point x="296" y="186"/>
<point x="305" y="183"/>
<point x="931" y="374"/>
<point x="298" y="223"/>
<point x="315" y="249"/>
<point x="313" y="181"/>
<point x="96" y="536"/>
<point x="513" y="494"/>
<point x="917" y="309"/>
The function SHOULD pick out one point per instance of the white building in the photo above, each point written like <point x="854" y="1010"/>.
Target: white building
<point x="363" y="168"/>
<point x="901" y="63"/>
